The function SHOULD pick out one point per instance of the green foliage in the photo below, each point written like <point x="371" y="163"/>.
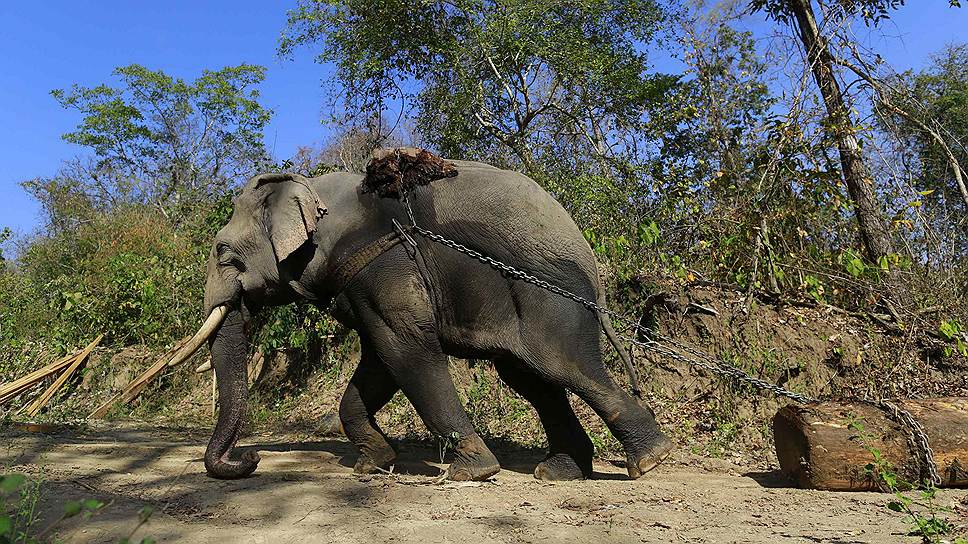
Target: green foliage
<point x="5" y="235"/>
<point x="953" y="332"/>
<point x="936" y="97"/>
<point x="18" y="509"/>
<point x="19" y="513"/>
<point x="921" y="511"/>
<point x="490" y="79"/>
<point x="299" y="326"/>
<point x="129" y="229"/>
<point x="158" y="139"/>
<point x="131" y="274"/>
<point x="871" y="11"/>
<point x="378" y="46"/>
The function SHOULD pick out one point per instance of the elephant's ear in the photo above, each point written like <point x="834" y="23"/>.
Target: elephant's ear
<point x="291" y="210"/>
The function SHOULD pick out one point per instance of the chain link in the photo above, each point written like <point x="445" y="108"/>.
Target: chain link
<point x="652" y="338"/>
<point x="917" y="438"/>
<point x="658" y="342"/>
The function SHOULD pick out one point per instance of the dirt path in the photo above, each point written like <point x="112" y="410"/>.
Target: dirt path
<point x="306" y="492"/>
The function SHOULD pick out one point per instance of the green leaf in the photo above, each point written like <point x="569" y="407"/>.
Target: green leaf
<point x="854" y="265"/>
<point x="11" y="482"/>
<point x="5" y="524"/>
<point x="145" y="513"/>
<point x="895" y="506"/>
<point x="72" y="508"/>
<point x="649" y="233"/>
<point x="948" y="329"/>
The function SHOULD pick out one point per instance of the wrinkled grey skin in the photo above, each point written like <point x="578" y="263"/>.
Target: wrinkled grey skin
<point x="412" y="311"/>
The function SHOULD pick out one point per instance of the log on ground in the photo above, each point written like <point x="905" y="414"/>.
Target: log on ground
<point x="831" y="445"/>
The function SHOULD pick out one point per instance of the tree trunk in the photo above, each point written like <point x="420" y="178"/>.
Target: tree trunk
<point x="874" y="231"/>
<point x="830" y="445"/>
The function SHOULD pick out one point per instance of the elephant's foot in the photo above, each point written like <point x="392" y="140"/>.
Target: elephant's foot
<point x="650" y="457"/>
<point x="560" y="467"/>
<point x="376" y="460"/>
<point x="473" y="461"/>
<point x="330" y="425"/>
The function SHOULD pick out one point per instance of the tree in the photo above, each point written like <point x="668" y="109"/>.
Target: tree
<point x="874" y="232"/>
<point x="5" y="235"/>
<point x="931" y="113"/>
<point x="518" y="79"/>
<point x="157" y="138"/>
<point x="727" y="138"/>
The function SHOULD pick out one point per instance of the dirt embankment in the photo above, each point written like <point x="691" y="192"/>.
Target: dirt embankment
<point x="820" y="351"/>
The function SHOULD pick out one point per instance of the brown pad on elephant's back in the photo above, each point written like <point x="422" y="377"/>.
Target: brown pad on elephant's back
<point x="393" y="172"/>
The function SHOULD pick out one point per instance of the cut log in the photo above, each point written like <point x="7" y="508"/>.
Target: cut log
<point x="13" y="389"/>
<point x="830" y="445"/>
<point x="45" y="397"/>
<point x="133" y="389"/>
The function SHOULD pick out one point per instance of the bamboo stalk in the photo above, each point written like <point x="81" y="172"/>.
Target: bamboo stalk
<point x="104" y="408"/>
<point x="18" y="386"/>
<point x="138" y="385"/>
<point x="255" y="365"/>
<point x="133" y="389"/>
<point x="45" y="397"/>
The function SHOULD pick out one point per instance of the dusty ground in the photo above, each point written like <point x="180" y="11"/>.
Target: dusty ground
<point x="305" y="491"/>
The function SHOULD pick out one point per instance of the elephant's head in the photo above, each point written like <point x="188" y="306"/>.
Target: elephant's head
<point x="275" y="215"/>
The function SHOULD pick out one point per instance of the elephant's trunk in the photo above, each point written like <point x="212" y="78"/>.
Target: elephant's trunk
<point x="229" y="347"/>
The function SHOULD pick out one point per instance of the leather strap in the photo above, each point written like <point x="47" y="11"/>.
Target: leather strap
<point x="343" y="274"/>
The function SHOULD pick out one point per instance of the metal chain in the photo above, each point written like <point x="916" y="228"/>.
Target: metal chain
<point x="652" y="337"/>
<point x="699" y="359"/>
<point x="916" y="437"/>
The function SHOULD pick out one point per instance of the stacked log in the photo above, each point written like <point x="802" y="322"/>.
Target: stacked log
<point x="45" y="397"/>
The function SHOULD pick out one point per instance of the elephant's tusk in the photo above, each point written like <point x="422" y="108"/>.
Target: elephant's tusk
<point x="204" y="367"/>
<point x="208" y="327"/>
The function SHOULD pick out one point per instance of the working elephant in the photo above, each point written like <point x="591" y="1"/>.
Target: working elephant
<point x="329" y="239"/>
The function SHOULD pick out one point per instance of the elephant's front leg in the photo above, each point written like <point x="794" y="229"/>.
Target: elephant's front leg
<point x="370" y="388"/>
<point x="431" y="390"/>
<point x="420" y="369"/>
<point x="393" y="314"/>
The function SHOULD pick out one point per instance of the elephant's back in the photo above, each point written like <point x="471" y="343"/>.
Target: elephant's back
<point x="508" y="216"/>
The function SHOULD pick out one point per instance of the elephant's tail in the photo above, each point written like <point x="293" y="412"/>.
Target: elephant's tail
<point x="620" y="349"/>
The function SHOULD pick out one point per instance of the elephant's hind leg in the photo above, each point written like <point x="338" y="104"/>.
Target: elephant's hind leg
<point x="562" y="343"/>
<point x="569" y="449"/>
<point x="370" y="388"/>
<point x="635" y="427"/>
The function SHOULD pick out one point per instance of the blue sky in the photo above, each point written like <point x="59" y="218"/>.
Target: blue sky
<point x="55" y="43"/>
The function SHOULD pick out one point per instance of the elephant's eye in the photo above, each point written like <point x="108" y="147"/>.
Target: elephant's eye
<point x="225" y="255"/>
<point x="231" y="260"/>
